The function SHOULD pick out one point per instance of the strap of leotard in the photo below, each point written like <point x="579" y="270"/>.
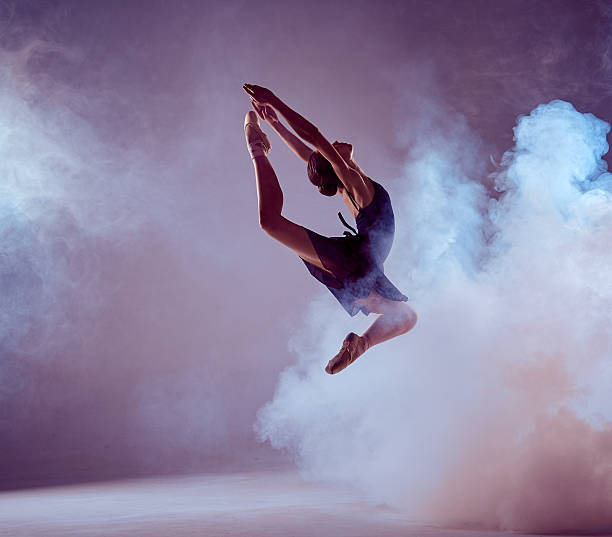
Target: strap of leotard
<point x="353" y="201"/>
<point x="347" y="233"/>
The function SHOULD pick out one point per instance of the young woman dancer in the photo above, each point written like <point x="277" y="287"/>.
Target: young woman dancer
<point x="350" y="266"/>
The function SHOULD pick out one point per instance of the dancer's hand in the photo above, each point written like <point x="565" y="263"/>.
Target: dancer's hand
<point x="265" y="112"/>
<point x="259" y="94"/>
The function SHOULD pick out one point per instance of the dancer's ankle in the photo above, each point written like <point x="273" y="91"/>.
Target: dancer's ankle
<point x="256" y="150"/>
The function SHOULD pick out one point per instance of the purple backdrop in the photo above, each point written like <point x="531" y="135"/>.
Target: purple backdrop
<point x="145" y="318"/>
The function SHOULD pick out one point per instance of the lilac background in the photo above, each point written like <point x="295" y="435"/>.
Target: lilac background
<point x="145" y="315"/>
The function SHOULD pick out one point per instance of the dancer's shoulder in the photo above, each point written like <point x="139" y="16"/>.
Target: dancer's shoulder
<point x="363" y="191"/>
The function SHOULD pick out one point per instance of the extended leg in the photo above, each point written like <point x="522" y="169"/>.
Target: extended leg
<point x="269" y="193"/>
<point x="270" y="199"/>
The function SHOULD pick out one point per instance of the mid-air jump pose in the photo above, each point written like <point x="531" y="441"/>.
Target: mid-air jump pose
<point x="350" y="266"/>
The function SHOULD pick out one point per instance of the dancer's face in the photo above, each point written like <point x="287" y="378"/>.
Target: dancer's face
<point x="344" y="149"/>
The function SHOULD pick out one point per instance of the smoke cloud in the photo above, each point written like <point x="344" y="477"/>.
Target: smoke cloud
<point x="494" y="411"/>
<point x="61" y="200"/>
<point x="105" y="277"/>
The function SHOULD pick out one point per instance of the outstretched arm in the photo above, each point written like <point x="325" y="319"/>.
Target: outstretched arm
<point x="296" y="145"/>
<point x="350" y="178"/>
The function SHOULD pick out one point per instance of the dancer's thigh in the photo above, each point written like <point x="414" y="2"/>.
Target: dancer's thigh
<point x="294" y="237"/>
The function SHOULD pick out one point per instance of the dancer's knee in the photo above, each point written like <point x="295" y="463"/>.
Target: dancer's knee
<point x="407" y="317"/>
<point x="413" y="319"/>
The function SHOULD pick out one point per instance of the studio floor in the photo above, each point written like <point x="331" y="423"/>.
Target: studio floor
<point x="255" y="504"/>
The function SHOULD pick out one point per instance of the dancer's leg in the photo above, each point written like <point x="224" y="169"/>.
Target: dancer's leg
<point x="270" y="199"/>
<point x="395" y="318"/>
<point x="269" y="193"/>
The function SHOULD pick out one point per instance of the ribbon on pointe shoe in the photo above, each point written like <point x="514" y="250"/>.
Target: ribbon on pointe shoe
<point x="258" y="143"/>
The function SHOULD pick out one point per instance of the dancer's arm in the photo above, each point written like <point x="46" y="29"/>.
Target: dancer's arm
<point x="296" y="145"/>
<point x="351" y="179"/>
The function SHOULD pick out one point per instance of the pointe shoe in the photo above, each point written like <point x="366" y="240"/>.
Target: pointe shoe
<point x="353" y="347"/>
<point x="257" y="141"/>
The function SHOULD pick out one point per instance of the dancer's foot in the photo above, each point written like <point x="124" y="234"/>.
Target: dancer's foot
<point x="257" y="142"/>
<point x="352" y="348"/>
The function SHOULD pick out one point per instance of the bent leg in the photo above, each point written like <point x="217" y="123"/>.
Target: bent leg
<point x="285" y="231"/>
<point x="396" y="318"/>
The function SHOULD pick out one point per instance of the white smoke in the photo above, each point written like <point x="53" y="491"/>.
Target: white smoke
<point x="56" y="180"/>
<point x="495" y="410"/>
<point x="112" y="258"/>
<point x="68" y="195"/>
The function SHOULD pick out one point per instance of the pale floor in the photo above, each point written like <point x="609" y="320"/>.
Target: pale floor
<point x="253" y="504"/>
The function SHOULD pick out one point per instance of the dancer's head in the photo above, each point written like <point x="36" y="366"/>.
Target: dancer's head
<point x="322" y="174"/>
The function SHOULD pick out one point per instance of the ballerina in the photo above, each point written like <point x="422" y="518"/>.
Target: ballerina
<point x="350" y="266"/>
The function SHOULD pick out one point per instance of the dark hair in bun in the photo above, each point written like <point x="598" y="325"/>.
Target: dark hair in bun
<point x="322" y="174"/>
